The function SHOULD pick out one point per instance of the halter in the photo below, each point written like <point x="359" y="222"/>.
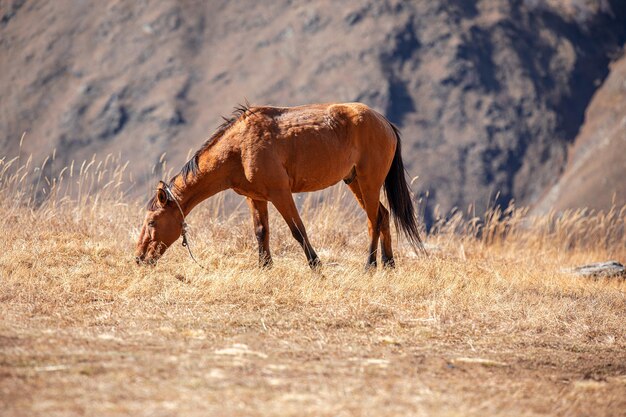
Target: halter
<point x="170" y="196"/>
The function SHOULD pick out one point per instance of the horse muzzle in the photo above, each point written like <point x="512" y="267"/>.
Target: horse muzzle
<point x="143" y="260"/>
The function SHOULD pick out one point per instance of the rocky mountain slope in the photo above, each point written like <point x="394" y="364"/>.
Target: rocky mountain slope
<point x="489" y="95"/>
<point x="595" y="176"/>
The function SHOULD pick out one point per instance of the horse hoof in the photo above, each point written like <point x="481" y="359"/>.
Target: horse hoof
<point x="370" y="266"/>
<point x="266" y="264"/>
<point x="315" y="264"/>
<point x="389" y="263"/>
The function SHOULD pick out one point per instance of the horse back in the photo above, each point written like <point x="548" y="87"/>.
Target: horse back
<point x="317" y="145"/>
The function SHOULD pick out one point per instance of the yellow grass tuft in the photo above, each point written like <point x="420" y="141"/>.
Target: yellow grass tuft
<point x="486" y="325"/>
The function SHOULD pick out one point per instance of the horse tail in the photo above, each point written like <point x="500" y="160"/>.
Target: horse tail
<point x="399" y="197"/>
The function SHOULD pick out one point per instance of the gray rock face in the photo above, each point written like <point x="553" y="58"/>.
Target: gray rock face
<point x="488" y="94"/>
<point x="596" y="168"/>
<point x="610" y="269"/>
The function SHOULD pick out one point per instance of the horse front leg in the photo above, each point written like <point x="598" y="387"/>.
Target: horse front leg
<point x="287" y="208"/>
<point x="260" y="219"/>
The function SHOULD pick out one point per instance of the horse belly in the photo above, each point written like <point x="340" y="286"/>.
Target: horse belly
<point x="308" y="183"/>
<point x="320" y="167"/>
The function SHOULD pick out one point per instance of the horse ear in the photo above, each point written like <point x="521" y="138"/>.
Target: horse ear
<point x="161" y="197"/>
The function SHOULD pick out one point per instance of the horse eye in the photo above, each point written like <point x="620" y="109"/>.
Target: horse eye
<point x="151" y="223"/>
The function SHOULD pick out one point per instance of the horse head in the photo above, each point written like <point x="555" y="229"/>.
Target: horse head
<point x="162" y="226"/>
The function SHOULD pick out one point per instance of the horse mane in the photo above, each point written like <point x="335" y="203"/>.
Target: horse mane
<point x="240" y="112"/>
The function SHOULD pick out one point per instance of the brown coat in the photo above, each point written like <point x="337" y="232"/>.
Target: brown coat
<point x="267" y="153"/>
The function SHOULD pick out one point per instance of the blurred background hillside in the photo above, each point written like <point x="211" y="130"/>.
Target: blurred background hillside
<point x="496" y="99"/>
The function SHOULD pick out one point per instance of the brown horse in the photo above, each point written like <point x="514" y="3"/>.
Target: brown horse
<point x="268" y="153"/>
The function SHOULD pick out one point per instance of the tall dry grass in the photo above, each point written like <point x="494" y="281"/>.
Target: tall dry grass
<point x="491" y="290"/>
<point x="84" y="214"/>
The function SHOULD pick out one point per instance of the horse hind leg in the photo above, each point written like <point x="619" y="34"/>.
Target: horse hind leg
<point x="385" y="238"/>
<point x="368" y="200"/>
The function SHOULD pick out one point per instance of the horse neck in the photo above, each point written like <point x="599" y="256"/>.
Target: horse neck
<point x="212" y="178"/>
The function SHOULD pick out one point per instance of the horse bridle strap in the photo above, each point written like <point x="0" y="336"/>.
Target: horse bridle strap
<point x="170" y="196"/>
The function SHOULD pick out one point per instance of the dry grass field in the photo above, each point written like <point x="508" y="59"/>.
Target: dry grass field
<point x="486" y="325"/>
